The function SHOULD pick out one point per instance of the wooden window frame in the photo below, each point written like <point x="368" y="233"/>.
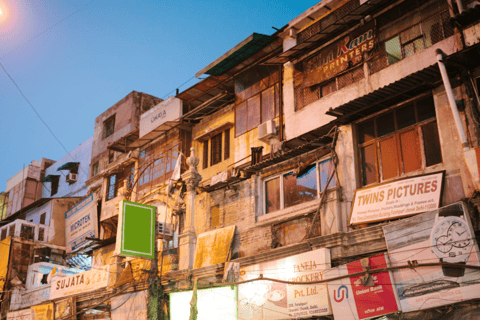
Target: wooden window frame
<point x="216" y="149"/>
<point x="282" y="187"/>
<point x="396" y="134"/>
<point x="276" y="108"/>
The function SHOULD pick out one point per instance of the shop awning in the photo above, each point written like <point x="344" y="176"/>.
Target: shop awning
<point x="50" y="178"/>
<point x="213" y="247"/>
<point x="237" y="54"/>
<point x="68" y="166"/>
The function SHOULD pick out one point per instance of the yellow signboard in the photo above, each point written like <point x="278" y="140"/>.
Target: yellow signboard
<point x="213" y="247"/>
<point x="4" y="258"/>
<point x="42" y="312"/>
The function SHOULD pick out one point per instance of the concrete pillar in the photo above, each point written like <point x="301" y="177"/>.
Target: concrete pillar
<point x="188" y="239"/>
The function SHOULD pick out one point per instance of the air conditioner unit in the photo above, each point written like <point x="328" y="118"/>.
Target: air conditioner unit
<point x="71" y="177"/>
<point x="164" y="227"/>
<point x="267" y="130"/>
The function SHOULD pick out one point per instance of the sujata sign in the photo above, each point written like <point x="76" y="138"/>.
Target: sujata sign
<point x="81" y="223"/>
<point x="80" y="282"/>
<point x="397" y="199"/>
<point x="275" y="300"/>
<point x="350" y="299"/>
<point x="168" y="110"/>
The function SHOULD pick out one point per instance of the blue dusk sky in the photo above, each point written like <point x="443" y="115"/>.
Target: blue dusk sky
<point x="74" y="59"/>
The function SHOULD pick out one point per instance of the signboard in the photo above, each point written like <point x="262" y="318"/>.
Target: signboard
<point x="214" y="303"/>
<point x="63" y="308"/>
<point x="42" y="312"/>
<point x="20" y="315"/>
<point x="351" y="300"/>
<point x="35" y="296"/>
<point x="167" y="110"/>
<point x="446" y="234"/>
<point x="275" y="300"/>
<point x="136" y="225"/>
<point x="397" y="199"/>
<point x="81" y="282"/>
<point x="4" y="259"/>
<point x="339" y="56"/>
<point x="81" y="223"/>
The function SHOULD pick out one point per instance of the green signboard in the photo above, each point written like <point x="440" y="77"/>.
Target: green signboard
<point x="136" y="230"/>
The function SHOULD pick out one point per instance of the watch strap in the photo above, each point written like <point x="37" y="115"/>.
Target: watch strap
<point x="454" y="271"/>
<point x="453" y="210"/>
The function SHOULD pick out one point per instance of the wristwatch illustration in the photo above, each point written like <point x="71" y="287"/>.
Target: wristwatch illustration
<point x="451" y="240"/>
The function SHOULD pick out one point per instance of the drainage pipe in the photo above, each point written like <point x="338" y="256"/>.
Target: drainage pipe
<point x="448" y="89"/>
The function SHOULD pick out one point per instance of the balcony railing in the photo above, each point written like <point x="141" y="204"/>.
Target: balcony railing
<point x="24" y="230"/>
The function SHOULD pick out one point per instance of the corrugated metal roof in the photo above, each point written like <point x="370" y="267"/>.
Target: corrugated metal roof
<point x="240" y="52"/>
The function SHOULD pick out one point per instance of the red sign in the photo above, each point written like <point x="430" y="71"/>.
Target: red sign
<point x="378" y="299"/>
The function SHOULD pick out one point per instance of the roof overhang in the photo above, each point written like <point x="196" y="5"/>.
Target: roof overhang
<point x="50" y="178"/>
<point x="237" y="54"/>
<point x="406" y="88"/>
<point x="123" y="143"/>
<point x="68" y="166"/>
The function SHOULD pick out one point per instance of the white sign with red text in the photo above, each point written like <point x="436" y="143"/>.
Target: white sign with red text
<point x="397" y="199"/>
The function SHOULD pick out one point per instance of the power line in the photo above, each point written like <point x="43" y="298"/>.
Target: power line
<point x="38" y="115"/>
<point x="178" y="87"/>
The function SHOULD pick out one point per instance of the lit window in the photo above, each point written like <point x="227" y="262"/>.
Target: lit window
<point x="287" y="190"/>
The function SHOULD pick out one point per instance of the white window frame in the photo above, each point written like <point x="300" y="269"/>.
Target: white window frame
<point x="282" y="197"/>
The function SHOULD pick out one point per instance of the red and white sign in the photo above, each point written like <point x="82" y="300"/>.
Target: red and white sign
<point x="351" y="300"/>
<point x="397" y="199"/>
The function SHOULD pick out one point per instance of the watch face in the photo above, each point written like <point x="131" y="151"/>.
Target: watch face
<point x="451" y="239"/>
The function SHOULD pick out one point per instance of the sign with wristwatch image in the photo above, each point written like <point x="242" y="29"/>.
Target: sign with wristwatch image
<point x="443" y="235"/>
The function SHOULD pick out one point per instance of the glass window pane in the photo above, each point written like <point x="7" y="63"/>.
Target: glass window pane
<point x="268" y="104"/>
<point x="405" y="116"/>
<point x="241" y="118"/>
<point x="326" y="169"/>
<point x="369" y="164"/>
<point x="412" y="159"/>
<point x="388" y="158"/>
<point x="300" y="189"/>
<point x="253" y="112"/>
<point x="366" y="131"/>
<point x="385" y="124"/>
<point x="272" y="195"/>
<point x="431" y="142"/>
<point x="393" y="49"/>
<point x="425" y="108"/>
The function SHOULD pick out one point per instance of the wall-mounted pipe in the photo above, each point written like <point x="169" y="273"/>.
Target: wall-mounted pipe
<point x="453" y="106"/>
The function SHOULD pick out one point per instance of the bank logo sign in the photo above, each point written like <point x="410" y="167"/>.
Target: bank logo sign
<point x="136" y="230"/>
<point x="81" y="223"/>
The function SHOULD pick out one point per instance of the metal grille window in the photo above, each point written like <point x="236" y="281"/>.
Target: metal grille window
<point x="27" y="232"/>
<point x="288" y="189"/>
<point x="400" y="141"/>
<point x="418" y="37"/>
<point x="216" y="149"/>
<point x="112" y="187"/>
<point x="156" y="164"/>
<point x="109" y="127"/>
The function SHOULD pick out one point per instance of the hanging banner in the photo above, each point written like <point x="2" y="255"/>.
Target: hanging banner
<point x="42" y="312"/>
<point x="20" y="315"/>
<point x="444" y="235"/>
<point x="81" y="282"/>
<point x="339" y="56"/>
<point x="213" y="247"/>
<point x="81" y="222"/>
<point x="4" y="259"/>
<point x="351" y="300"/>
<point x="397" y="199"/>
<point x="136" y="230"/>
<point x="274" y="300"/>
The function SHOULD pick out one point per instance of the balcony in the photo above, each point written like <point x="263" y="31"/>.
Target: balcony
<point x="24" y="230"/>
